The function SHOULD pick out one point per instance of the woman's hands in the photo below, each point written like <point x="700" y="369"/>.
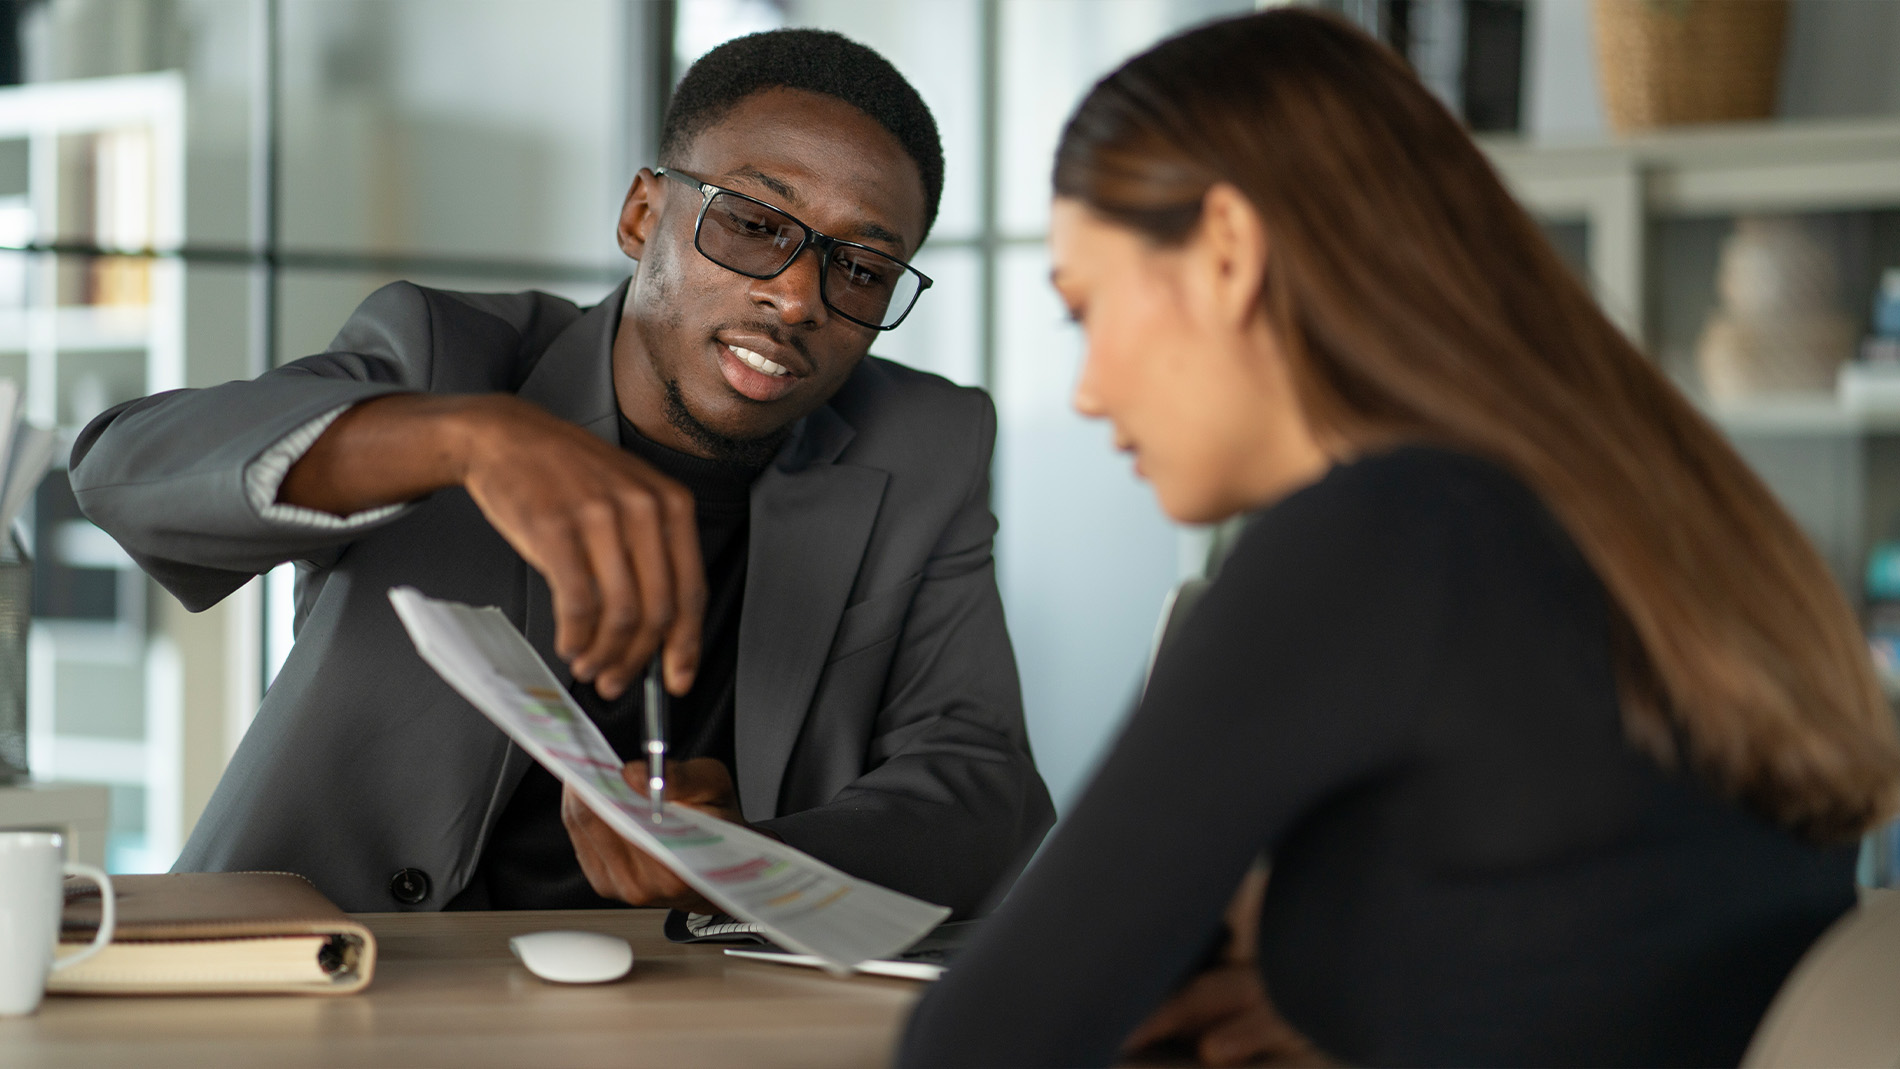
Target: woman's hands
<point x="1224" y="1012"/>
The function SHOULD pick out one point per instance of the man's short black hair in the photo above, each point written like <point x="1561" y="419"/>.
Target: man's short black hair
<point x="817" y="61"/>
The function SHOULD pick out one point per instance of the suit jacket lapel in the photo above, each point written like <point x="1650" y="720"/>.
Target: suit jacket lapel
<point x="574" y="379"/>
<point x="811" y="519"/>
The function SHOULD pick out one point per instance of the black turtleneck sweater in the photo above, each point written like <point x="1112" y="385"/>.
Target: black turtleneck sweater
<point x="528" y="861"/>
<point x="1401" y="688"/>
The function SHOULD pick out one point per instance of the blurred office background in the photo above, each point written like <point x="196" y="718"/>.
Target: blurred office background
<point x="290" y="156"/>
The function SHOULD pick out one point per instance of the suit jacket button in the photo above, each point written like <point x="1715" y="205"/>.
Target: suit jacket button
<point x="409" y="886"/>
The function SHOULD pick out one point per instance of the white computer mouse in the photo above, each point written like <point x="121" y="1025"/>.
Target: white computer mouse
<point x="573" y="957"/>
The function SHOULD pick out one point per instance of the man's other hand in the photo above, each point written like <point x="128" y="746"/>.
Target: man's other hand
<point x="618" y="869"/>
<point x="614" y="538"/>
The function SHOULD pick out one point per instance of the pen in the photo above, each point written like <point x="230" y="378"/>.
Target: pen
<point x="656" y="739"/>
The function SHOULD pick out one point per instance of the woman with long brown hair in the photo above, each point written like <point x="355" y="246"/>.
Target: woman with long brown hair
<point x="1557" y="734"/>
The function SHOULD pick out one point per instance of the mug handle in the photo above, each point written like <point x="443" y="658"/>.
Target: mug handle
<point x="108" y="918"/>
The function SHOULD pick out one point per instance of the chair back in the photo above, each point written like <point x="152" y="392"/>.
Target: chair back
<point x="1841" y="1004"/>
<point x="1174" y="610"/>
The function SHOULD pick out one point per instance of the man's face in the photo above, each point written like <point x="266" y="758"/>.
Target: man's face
<point x="703" y="328"/>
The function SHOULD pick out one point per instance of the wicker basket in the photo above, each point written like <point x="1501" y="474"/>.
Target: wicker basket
<point x="1664" y="62"/>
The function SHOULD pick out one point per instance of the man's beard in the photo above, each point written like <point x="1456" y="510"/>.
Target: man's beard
<point x="747" y="453"/>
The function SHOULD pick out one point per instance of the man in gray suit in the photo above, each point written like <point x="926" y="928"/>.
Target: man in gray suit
<point x="705" y="463"/>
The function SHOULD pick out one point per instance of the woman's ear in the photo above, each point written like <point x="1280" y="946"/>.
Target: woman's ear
<point x="639" y="213"/>
<point x="1234" y="247"/>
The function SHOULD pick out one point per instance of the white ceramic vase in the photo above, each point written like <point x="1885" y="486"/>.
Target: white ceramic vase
<point x="1780" y="328"/>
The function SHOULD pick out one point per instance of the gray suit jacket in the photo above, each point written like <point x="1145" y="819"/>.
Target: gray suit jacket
<point x="879" y="719"/>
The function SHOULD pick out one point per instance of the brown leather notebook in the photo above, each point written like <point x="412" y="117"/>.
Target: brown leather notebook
<point x="215" y="933"/>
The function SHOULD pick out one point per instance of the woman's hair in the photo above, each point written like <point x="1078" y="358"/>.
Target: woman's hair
<point x="1415" y="299"/>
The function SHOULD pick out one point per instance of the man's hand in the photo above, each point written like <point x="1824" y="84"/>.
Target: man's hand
<point x="1224" y="1012"/>
<point x="614" y="538"/>
<point x="618" y="869"/>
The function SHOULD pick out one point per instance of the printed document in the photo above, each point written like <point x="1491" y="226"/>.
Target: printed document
<point x="800" y="902"/>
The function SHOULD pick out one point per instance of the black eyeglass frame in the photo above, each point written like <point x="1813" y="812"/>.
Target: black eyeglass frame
<point x="824" y="243"/>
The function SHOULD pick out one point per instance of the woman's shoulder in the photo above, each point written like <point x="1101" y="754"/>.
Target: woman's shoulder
<point x="1411" y="484"/>
<point x="1410" y="506"/>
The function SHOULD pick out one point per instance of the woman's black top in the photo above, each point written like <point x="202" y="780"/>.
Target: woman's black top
<point x="1400" y="689"/>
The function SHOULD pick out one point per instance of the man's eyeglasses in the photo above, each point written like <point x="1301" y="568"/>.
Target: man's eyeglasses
<point x="754" y="239"/>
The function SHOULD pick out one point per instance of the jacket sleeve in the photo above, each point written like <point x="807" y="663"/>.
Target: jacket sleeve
<point x="950" y="806"/>
<point x="166" y="475"/>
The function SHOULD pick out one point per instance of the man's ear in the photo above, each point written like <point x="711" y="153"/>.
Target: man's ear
<point x="1235" y="242"/>
<point x="639" y="213"/>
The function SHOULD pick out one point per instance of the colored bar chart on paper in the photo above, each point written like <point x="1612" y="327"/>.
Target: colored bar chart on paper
<point x="796" y="900"/>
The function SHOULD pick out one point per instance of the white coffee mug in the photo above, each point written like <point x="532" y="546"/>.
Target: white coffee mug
<point x="31" y="898"/>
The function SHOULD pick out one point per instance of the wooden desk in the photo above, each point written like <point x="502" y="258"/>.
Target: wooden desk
<point x="448" y="993"/>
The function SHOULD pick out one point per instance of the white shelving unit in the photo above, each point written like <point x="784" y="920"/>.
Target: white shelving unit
<point x="1837" y="469"/>
<point x="105" y="166"/>
<point x="1617" y="187"/>
<point x="76" y="811"/>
